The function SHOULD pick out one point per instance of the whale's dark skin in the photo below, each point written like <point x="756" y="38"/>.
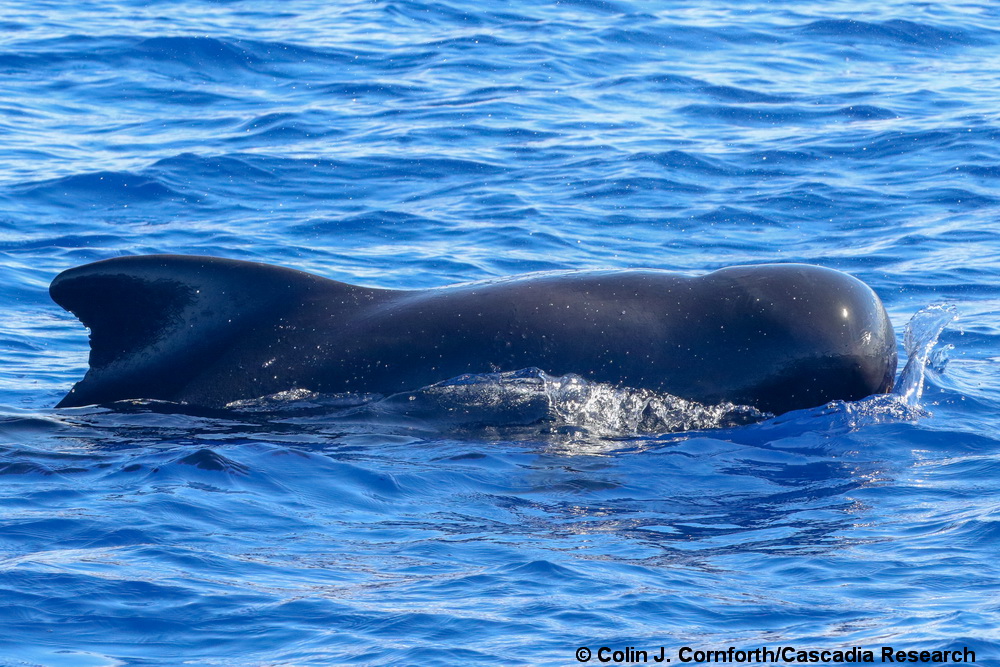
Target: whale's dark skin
<point x="208" y="331"/>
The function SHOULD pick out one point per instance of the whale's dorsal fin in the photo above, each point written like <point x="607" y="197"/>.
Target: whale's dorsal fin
<point x="157" y="320"/>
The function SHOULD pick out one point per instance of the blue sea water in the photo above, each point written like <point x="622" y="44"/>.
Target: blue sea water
<point x="413" y="144"/>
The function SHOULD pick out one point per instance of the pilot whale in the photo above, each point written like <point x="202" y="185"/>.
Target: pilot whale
<point x="207" y="331"/>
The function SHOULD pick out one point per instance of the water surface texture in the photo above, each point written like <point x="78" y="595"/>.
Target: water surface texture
<point x="414" y="144"/>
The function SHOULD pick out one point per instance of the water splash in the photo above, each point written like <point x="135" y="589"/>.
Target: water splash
<point x="919" y="340"/>
<point x="606" y="410"/>
<point x="528" y="397"/>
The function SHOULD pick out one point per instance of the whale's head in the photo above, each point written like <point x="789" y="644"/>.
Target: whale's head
<point x="816" y="335"/>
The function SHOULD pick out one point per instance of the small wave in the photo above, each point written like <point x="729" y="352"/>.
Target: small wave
<point x="659" y="81"/>
<point x="396" y="225"/>
<point x="866" y="112"/>
<point x="365" y="89"/>
<point x="784" y="114"/>
<point x="896" y="32"/>
<point x="690" y="37"/>
<point x="984" y="171"/>
<point x="682" y="161"/>
<point x="771" y="115"/>
<point x="226" y="167"/>
<point x="631" y="186"/>
<point x="743" y="95"/>
<point x="105" y="188"/>
<point x="730" y="215"/>
<point x="429" y="167"/>
<point x="959" y="196"/>
<point x="207" y="459"/>
<point x="21" y="426"/>
<point x="199" y="52"/>
<point x="23" y="468"/>
<point x="889" y="144"/>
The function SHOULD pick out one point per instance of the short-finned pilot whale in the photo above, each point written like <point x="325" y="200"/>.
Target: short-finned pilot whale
<point x="208" y="331"/>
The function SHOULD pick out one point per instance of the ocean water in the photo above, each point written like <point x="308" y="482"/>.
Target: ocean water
<point x="412" y="144"/>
